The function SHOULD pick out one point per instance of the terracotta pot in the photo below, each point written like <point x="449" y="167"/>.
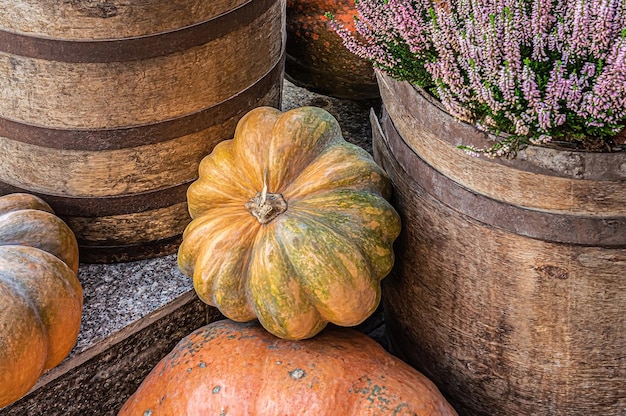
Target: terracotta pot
<point x="316" y="57"/>
<point x="107" y="108"/>
<point x="509" y="287"/>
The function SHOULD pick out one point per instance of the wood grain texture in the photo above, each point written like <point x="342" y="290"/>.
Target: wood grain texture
<point x="108" y="206"/>
<point x="138" y="227"/>
<point x="112" y="142"/>
<point x="107" y="173"/>
<point x="591" y="184"/>
<point x="92" y="19"/>
<point x="504" y="324"/>
<point x="133" y="48"/>
<point x="570" y="228"/>
<point x="121" y="94"/>
<point x="129" y="252"/>
<point x="267" y="87"/>
<point x="42" y="169"/>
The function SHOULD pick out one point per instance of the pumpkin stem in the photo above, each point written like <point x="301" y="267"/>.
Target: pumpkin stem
<point x="266" y="206"/>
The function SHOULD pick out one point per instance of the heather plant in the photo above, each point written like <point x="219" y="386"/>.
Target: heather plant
<point x="531" y="71"/>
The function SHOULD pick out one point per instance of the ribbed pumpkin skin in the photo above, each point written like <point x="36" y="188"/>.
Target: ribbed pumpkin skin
<point x="229" y="368"/>
<point x="40" y="294"/>
<point x="319" y="261"/>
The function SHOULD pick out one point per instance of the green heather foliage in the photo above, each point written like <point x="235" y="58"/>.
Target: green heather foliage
<point x="537" y="70"/>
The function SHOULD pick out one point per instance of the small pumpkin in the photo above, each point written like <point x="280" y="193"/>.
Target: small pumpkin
<point x="229" y="368"/>
<point x="291" y="225"/>
<point x="40" y="294"/>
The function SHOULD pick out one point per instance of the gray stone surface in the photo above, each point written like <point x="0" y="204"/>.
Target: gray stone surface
<point x="116" y="295"/>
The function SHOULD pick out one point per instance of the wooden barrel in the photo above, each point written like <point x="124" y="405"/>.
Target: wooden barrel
<point x="107" y="108"/>
<point x="509" y="288"/>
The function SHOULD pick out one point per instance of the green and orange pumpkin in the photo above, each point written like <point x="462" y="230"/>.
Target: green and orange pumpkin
<point x="40" y="295"/>
<point x="291" y="225"/>
<point x="229" y="368"/>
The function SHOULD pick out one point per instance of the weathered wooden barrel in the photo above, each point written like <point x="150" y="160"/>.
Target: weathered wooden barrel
<point x="509" y="288"/>
<point x="107" y="108"/>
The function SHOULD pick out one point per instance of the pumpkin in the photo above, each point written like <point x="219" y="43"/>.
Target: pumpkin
<point x="291" y="225"/>
<point x="40" y="294"/>
<point x="229" y="368"/>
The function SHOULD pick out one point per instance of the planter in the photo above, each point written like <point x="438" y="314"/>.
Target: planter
<point x="509" y="287"/>
<point x="107" y="108"/>
<point x="316" y="57"/>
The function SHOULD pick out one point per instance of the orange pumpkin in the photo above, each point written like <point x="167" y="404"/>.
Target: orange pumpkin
<point x="229" y="368"/>
<point x="290" y="225"/>
<point x="40" y="294"/>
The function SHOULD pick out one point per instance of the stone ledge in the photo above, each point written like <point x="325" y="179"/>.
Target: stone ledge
<point x="100" y="380"/>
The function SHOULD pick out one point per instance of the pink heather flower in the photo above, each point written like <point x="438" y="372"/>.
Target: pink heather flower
<point x="454" y="107"/>
<point x="472" y="151"/>
<point x="506" y="83"/>
<point x="512" y="34"/>
<point x="372" y="51"/>
<point x="579" y="21"/>
<point x="535" y="65"/>
<point x="607" y="99"/>
<point x="411" y="26"/>
<point x="603" y="29"/>
<point x="541" y="20"/>
<point x="529" y="87"/>
<point x="588" y="71"/>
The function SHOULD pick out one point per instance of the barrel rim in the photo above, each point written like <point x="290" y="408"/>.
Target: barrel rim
<point x="134" y="47"/>
<point x="527" y="160"/>
<point x="435" y="135"/>
<point x="545" y="226"/>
